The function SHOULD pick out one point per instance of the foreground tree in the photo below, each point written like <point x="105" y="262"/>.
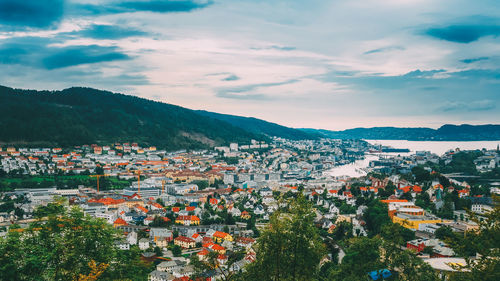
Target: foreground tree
<point x="290" y="248"/>
<point x="484" y="243"/>
<point x="62" y="246"/>
<point x="212" y="263"/>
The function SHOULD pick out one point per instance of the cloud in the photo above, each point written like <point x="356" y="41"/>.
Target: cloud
<point x="480" y="105"/>
<point x="275" y="47"/>
<point x="37" y="52"/>
<point x="463" y="33"/>
<point x="231" y="77"/>
<point x="77" y="55"/>
<point x="471" y="60"/>
<point x="101" y="31"/>
<point x="157" y="6"/>
<point x="164" y="6"/>
<point x="21" y="14"/>
<point x="384" y="49"/>
<point x="423" y="74"/>
<point x="245" y="92"/>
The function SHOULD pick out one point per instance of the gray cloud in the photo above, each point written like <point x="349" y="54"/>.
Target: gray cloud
<point x="231" y="77"/>
<point x="384" y="49"/>
<point x="472" y="60"/>
<point x="37" y="52"/>
<point x="463" y="33"/>
<point x="21" y="14"/>
<point x="243" y="92"/>
<point x="101" y="31"/>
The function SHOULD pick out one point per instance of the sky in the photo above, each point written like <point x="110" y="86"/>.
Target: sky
<point x="305" y="64"/>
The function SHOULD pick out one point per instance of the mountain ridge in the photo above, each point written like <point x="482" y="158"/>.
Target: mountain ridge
<point x="79" y="115"/>
<point x="447" y="132"/>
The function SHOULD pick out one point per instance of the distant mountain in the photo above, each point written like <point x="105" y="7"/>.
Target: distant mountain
<point x="258" y="126"/>
<point x="444" y="133"/>
<point x="78" y="116"/>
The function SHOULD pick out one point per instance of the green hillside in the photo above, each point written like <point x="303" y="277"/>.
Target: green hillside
<point x="258" y="126"/>
<point x="78" y="116"/>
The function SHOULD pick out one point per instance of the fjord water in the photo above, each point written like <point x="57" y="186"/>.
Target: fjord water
<point x="356" y="169"/>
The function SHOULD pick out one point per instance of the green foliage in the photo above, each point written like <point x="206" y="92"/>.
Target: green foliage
<point x="420" y="174"/>
<point x="75" y="116"/>
<point x="485" y="242"/>
<point x="444" y="233"/>
<point x="202" y="184"/>
<point x="176" y="250"/>
<point x="290" y="248"/>
<point x="462" y="162"/>
<point x="258" y="126"/>
<point x="61" y="247"/>
<point x="375" y="217"/>
<point x="211" y="263"/>
<point x="397" y="234"/>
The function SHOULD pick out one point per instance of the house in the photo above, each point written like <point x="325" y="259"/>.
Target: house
<point x="122" y="245"/>
<point x="245" y="215"/>
<point x="197" y="237"/>
<point x="245" y="242"/>
<point x="463" y="193"/>
<point x="160" y="276"/>
<point x="132" y="238"/>
<point x="220" y="236"/>
<point x="188" y="220"/>
<point x="168" y="266"/>
<point x="156" y="233"/>
<point x="119" y="222"/>
<point x="143" y="244"/>
<point x="215" y="247"/>
<point x="184" y="242"/>
<point x="259" y="210"/>
<point x="202" y="255"/>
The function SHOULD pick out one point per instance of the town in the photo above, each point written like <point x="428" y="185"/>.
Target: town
<point x="180" y="208"/>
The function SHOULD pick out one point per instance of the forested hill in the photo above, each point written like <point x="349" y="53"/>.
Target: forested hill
<point x="444" y="133"/>
<point x="78" y="116"/>
<point x="259" y="126"/>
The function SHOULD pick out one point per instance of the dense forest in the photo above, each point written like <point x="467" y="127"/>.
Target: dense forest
<point x="78" y="116"/>
<point x="259" y="126"/>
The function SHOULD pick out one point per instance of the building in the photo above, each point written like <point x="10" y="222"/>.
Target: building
<point x="188" y="220"/>
<point x="143" y="244"/>
<point x="413" y="222"/>
<point x="184" y="242"/>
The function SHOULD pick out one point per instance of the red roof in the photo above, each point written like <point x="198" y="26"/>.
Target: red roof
<point x="184" y="239"/>
<point x="405" y="189"/>
<point x="120" y="221"/>
<point x="188" y="218"/>
<point x="176" y="209"/>
<point x="417" y="189"/>
<point x="190" y="208"/>
<point x="220" y="234"/>
<point x="142" y="209"/>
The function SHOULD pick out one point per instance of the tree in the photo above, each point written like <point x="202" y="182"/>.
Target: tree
<point x="444" y="232"/>
<point x="376" y="216"/>
<point x="95" y="271"/>
<point x="361" y="256"/>
<point x="483" y="241"/>
<point x="211" y="263"/>
<point x="158" y="251"/>
<point x="290" y="248"/>
<point x="61" y="248"/>
<point x="421" y="175"/>
<point x="176" y="250"/>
